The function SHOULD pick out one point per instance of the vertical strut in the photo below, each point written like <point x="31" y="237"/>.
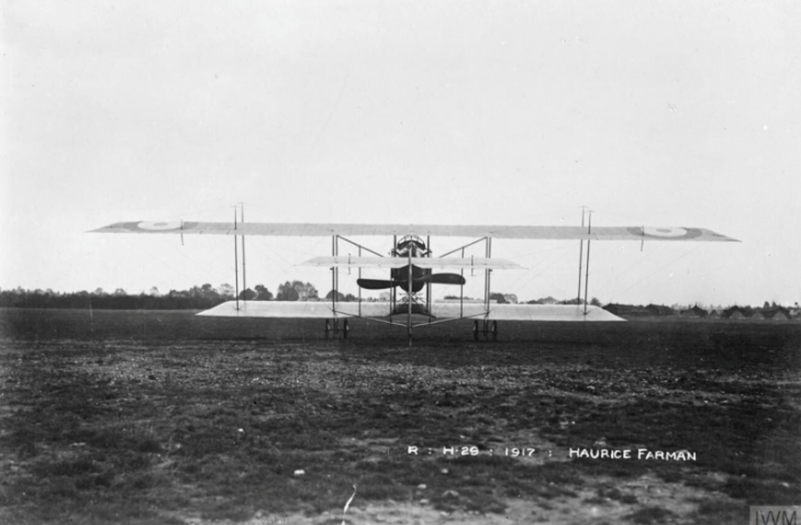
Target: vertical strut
<point x="409" y="292"/>
<point x="334" y="275"/>
<point x="587" y="275"/>
<point x="581" y="257"/>
<point x="393" y="292"/>
<point x="461" y="290"/>
<point x="428" y="284"/>
<point x="487" y="286"/>
<point x="244" y="279"/>
<point x="236" y="264"/>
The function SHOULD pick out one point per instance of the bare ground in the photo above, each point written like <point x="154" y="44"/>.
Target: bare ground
<point x="160" y="417"/>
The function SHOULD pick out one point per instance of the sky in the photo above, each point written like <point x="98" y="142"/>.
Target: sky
<point x="666" y="113"/>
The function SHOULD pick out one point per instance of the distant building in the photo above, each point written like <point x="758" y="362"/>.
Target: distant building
<point x="695" y="311"/>
<point x="714" y="314"/>
<point x="658" y="309"/>
<point x="627" y="310"/>
<point x="778" y="313"/>
<point x="736" y="312"/>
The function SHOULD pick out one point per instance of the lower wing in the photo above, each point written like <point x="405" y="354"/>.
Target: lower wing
<point x="439" y="310"/>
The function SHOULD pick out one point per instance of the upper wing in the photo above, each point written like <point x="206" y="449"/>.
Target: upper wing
<point x="601" y="233"/>
<point x="439" y="263"/>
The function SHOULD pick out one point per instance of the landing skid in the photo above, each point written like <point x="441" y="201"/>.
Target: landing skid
<point x="333" y="328"/>
<point x="488" y="328"/>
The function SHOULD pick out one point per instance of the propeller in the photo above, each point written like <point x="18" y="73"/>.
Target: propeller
<point x="377" y="284"/>
<point x="443" y="278"/>
<point x="435" y="278"/>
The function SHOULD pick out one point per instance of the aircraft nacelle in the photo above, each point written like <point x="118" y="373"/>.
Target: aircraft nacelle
<point x="411" y="278"/>
<point x="411" y="245"/>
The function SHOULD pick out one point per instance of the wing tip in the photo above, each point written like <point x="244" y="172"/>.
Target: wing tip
<point x="103" y="229"/>
<point x="115" y="227"/>
<point x="719" y="236"/>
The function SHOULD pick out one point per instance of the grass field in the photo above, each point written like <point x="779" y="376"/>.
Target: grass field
<point x="162" y="417"/>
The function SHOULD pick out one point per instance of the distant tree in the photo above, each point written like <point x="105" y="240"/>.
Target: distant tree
<point x="595" y="302"/>
<point x="510" y="298"/>
<point x="296" y="291"/>
<point x="262" y="293"/>
<point x="766" y="305"/>
<point x="498" y="297"/>
<point x="99" y="291"/>
<point x="154" y="291"/>
<point x="119" y="292"/>
<point x="307" y="292"/>
<point x="330" y="295"/>
<point x="248" y="294"/>
<point x="287" y="292"/>
<point x="226" y="290"/>
<point x="350" y="298"/>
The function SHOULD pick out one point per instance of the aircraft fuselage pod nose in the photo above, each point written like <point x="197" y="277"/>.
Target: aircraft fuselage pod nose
<point x="410" y="246"/>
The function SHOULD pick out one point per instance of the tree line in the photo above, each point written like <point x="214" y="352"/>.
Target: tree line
<point x="196" y="298"/>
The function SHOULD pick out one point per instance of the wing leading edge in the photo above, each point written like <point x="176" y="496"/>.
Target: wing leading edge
<point x="600" y="233"/>
<point x="440" y="310"/>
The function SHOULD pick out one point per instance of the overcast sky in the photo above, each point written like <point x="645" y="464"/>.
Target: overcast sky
<point x="676" y="113"/>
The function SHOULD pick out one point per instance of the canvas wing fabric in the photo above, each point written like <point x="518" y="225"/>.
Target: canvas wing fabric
<point x="601" y="233"/>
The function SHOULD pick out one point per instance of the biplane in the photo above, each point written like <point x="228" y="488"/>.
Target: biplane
<point x="413" y="270"/>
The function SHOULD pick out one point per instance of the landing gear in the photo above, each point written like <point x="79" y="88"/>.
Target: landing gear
<point x="488" y="328"/>
<point x="332" y="327"/>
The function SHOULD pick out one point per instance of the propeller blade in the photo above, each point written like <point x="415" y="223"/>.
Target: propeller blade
<point x="377" y="284"/>
<point x="442" y="278"/>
